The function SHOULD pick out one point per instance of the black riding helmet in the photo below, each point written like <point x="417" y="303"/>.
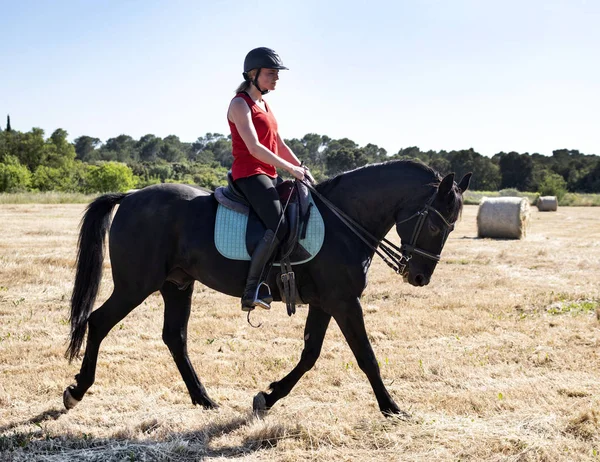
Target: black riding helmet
<point x="259" y="58"/>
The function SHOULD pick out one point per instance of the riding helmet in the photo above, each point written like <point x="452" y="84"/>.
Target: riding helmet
<point x="263" y="57"/>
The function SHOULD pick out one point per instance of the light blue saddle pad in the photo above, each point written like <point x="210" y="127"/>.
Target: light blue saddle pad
<point x="230" y="234"/>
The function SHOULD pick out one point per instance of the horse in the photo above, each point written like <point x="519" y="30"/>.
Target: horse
<point x="162" y="239"/>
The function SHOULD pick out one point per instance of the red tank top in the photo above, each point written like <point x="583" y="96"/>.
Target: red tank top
<point x="244" y="163"/>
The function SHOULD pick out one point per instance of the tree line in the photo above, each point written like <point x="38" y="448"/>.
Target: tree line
<point x="31" y="161"/>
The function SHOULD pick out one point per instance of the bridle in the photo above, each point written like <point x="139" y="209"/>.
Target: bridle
<point x="397" y="261"/>
<point x="421" y="215"/>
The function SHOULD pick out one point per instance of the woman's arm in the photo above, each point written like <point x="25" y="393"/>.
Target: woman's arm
<point x="239" y="113"/>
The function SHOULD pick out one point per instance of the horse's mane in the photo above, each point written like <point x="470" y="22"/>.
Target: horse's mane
<point x="455" y="207"/>
<point x="326" y="185"/>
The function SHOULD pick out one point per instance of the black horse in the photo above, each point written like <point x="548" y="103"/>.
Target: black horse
<point x="162" y="238"/>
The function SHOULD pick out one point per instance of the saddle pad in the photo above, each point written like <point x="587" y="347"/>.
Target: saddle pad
<point x="230" y="234"/>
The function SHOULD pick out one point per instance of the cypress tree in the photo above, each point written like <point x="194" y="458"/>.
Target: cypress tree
<point x="8" y="129"/>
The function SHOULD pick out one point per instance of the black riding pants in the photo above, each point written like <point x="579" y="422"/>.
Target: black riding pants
<point x="260" y="192"/>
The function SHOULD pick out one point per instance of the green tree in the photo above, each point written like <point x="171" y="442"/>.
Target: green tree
<point x="4" y="145"/>
<point x="299" y="150"/>
<point x="121" y="148"/>
<point x="374" y="153"/>
<point x="344" y="159"/>
<point x="486" y="174"/>
<point x="591" y="181"/>
<point x="86" y="148"/>
<point x="172" y="149"/>
<point x="148" y="147"/>
<point x="28" y="147"/>
<point x="205" y="156"/>
<point x="516" y="170"/>
<point x="221" y="149"/>
<point x="315" y="145"/>
<point x="438" y="161"/>
<point x="58" y="152"/>
<point x="412" y="152"/>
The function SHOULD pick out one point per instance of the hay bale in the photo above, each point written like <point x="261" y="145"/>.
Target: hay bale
<point x="547" y="204"/>
<point x="503" y="217"/>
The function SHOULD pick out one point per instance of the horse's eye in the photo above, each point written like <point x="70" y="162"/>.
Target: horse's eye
<point x="433" y="228"/>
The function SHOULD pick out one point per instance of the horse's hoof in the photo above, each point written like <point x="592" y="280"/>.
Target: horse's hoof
<point x="398" y="414"/>
<point x="259" y="404"/>
<point x="68" y="399"/>
<point x="205" y="402"/>
<point x="210" y="404"/>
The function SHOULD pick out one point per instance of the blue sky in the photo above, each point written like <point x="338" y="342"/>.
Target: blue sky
<point x="491" y="75"/>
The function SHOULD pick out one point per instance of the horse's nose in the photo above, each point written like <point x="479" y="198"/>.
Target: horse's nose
<point x="421" y="280"/>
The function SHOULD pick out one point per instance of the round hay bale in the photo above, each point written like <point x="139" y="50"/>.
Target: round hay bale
<point x="547" y="204"/>
<point x="503" y="217"/>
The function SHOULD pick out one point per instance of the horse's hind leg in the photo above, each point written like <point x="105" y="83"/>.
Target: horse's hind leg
<point x="314" y="333"/>
<point x="177" y="312"/>
<point x="100" y="322"/>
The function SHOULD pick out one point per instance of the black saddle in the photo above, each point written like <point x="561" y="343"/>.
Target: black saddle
<point x="293" y="193"/>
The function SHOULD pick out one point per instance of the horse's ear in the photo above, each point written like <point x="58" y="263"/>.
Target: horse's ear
<point x="464" y="183"/>
<point x="446" y="185"/>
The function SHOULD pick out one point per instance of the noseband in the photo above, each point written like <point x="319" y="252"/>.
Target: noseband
<point x="397" y="261"/>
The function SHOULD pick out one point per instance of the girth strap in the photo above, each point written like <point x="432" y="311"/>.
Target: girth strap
<point x="288" y="280"/>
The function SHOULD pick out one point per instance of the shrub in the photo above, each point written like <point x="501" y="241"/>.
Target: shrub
<point x="509" y="192"/>
<point x="50" y="179"/>
<point x="14" y="177"/>
<point x="161" y="171"/>
<point x="110" y="177"/>
<point x="143" y="182"/>
<point x="553" y="185"/>
<point x="210" y="177"/>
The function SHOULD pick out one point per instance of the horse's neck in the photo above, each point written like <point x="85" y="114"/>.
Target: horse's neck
<point x="373" y="200"/>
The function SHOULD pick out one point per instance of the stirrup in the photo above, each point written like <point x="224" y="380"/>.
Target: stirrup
<point x="262" y="302"/>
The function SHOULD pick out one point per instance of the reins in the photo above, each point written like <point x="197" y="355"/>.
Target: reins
<point x="395" y="261"/>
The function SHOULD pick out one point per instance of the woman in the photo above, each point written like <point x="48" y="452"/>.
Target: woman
<point x="258" y="150"/>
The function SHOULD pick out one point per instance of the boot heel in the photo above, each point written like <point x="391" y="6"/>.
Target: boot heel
<point x="247" y="308"/>
<point x="260" y="257"/>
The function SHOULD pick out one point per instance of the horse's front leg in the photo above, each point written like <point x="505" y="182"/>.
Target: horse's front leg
<point x="349" y="316"/>
<point x="314" y="333"/>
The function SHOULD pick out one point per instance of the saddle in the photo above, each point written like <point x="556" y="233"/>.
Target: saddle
<point x="297" y="215"/>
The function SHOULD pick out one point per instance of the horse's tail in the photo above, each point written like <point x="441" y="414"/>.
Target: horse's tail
<point x="90" y="256"/>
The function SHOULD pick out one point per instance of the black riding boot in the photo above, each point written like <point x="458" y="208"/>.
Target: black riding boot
<point x="260" y="257"/>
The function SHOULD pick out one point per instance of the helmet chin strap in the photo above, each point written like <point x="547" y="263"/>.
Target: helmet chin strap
<point x="255" y="82"/>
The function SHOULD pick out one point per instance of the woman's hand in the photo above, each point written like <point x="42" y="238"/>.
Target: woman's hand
<point x="308" y="175"/>
<point x="297" y="172"/>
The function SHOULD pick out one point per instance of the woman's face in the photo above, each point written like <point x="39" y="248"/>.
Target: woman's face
<point x="267" y="79"/>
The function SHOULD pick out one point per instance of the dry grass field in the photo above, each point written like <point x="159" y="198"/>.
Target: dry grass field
<point x="497" y="359"/>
